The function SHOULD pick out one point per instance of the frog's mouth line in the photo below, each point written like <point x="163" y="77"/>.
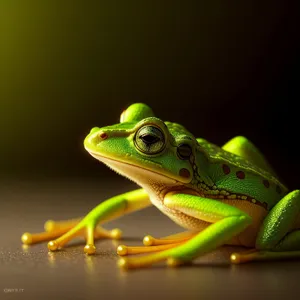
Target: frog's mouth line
<point x="120" y="167"/>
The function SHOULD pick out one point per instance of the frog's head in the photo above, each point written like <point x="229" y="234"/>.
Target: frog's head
<point x="144" y="148"/>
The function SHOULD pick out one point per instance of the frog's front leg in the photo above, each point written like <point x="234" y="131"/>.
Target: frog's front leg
<point x="226" y="222"/>
<point x="279" y="237"/>
<point x="87" y="226"/>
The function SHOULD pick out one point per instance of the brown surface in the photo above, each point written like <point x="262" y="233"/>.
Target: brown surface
<point x="69" y="274"/>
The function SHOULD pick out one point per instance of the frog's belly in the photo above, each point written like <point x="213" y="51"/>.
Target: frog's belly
<point x="246" y="238"/>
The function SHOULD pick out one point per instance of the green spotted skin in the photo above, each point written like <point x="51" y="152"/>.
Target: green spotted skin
<point x="216" y="170"/>
<point x="236" y="175"/>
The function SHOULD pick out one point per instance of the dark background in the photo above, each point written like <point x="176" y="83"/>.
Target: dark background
<point x="219" y="68"/>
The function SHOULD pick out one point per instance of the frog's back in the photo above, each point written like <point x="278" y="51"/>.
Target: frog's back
<point x="241" y="177"/>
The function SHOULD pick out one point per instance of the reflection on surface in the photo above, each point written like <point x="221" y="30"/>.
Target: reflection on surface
<point x="25" y="248"/>
<point x="51" y="259"/>
<point x="89" y="264"/>
<point x="116" y="243"/>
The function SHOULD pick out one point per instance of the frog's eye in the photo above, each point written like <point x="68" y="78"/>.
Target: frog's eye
<point x="184" y="151"/>
<point x="150" y="140"/>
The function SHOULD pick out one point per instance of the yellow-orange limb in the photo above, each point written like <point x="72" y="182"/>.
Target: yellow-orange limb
<point x="57" y="231"/>
<point x="51" y="225"/>
<point x="64" y="226"/>
<point x="171" y="239"/>
<point x="54" y="229"/>
<point x="61" y="232"/>
<point x="34" y="238"/>
<point x="65" y="238"/>
<point x="254" y="255"/>
<point x="100" y="232"/>
<point x="127" y="250"/>
<point x="90" y="247"/>
<point x="148" y="260"/>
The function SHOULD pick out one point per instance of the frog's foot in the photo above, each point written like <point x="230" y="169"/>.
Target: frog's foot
<point x="153" y="245"/>
<point x="64" y="231"/>
<point x="162" y="254"/>
<point x="53" y="229"/>
<point x="91" y="234"/>
<point x="255" y="255"/>
<point x="149" y="260"/>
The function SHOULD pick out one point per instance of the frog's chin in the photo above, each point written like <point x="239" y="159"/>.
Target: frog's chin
<point x="143" y="177"/>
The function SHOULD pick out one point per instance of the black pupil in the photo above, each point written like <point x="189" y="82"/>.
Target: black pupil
<point x="149" y="139"/>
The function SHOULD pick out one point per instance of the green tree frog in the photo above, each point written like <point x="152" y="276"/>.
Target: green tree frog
<point x="225" y="195"/>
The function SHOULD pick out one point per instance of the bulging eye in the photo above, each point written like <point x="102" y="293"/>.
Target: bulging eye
<point x="184" y="151"/>
<point x="150" y="140"/>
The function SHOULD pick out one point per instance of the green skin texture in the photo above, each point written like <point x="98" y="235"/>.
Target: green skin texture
<point x="121" y="148"/>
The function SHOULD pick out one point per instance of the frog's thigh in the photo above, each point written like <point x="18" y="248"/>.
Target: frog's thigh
<point x="241" y="146"/>
<point x="280" y="229"/>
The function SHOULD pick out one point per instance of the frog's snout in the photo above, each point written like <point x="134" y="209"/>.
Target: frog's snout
<point x="95" y="137"/>
<point x="98" y="137"/>
<point x="94" y="129"/>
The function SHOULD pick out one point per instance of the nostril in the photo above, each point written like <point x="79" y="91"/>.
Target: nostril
<point x="103" y="135"/>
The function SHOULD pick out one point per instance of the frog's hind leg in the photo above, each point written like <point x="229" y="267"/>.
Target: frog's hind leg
<point x="279" y="237"/>
<point x="225" y="221"/>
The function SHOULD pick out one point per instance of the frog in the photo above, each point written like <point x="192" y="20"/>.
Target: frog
<point x="219" y="195"/>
